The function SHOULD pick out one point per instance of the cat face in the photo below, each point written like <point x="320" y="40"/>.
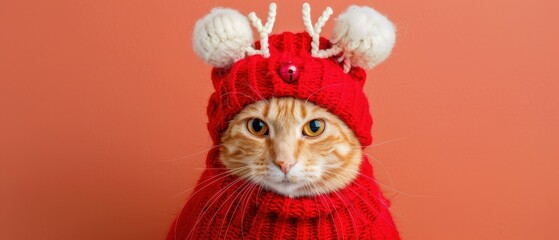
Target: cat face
<point x="291" y="146"/>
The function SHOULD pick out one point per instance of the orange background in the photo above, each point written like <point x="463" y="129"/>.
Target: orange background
<point x="102" y="116"/>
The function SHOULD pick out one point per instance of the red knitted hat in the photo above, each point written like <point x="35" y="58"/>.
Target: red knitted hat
<point x="326" y="74"/>
<point x="320" y="80"/>
<point x="305" y="66"/>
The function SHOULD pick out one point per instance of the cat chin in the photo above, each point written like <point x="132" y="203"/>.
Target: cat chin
<point x="292" y="192"/>
<point x="289" y="189"/>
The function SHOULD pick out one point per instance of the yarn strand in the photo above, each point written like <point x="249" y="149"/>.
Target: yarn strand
<point x="263" y="30"/>
<point x="314" y="32"/>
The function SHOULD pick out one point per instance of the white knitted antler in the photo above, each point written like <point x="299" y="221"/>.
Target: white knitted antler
<point x="263" y="30"/>
<point x="314" y="32"/>
<point x="363" y="35"/>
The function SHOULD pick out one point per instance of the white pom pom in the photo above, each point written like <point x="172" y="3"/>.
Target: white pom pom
<point x="365" y="36"/>
<point x="222" y="37"/>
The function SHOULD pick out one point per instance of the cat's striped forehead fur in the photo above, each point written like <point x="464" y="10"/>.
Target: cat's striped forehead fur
<point x="319" y="164"/>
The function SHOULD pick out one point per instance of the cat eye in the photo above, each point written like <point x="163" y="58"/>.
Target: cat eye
<point x="257" y="127"/>
<point x="314" y="127"/>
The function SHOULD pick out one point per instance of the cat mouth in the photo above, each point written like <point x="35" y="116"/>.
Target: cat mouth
<point x="289" y="181"/>
<point x="286" y="181"/>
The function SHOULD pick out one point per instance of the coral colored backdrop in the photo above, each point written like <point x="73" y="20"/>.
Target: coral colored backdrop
<point x="102" y="116"/>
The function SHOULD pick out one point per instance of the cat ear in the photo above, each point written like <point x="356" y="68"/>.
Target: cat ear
<point x="365" y="37"/>
<point x="222" y="37"/>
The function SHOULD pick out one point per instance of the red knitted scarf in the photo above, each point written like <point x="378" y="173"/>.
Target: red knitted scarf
<point x="226" y="207"/>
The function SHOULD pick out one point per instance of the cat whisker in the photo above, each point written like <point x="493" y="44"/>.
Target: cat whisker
<point x="375" y="210"/>
<point x="320" y="195"/>
<point x="346" y="202"/>
<point x="241" y="189"/>
<point x="236" y="160"/>
<point x="258" y="193"/>
<point x="256" y="92"/>
<point x="384" y="168"/>
<point x="368" y="191"/>
<point x="223" y="202"/>
<point x="199" y="216"/>
<point x="325" y="87"/>
<point x="192" y="154"/>
<point x="238" y="93"/>
<point x="394" y="189"/>
<point x="381" y="183"/>
<point x="378" y="199"/>
<point x="218" y="168"/>
<point x="247" y="197"/>
<point x="216" y="178"/>
<point x="317" y="205"/>
<point x="335" y="213"/>
<point x="385" y="142"/>
<point x="210" y="202"/>
<point x="213" y="179"/>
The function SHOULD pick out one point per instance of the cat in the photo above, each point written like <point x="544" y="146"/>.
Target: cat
<point x="292" y="147"/>
<point x="289" y="121"/>
<point x="289" y="169"/>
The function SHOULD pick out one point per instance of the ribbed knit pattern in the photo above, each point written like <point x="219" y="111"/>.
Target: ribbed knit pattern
<point x="321" y="81"/>
<point x="226" y="207"/>
<point x="231" y="208"/>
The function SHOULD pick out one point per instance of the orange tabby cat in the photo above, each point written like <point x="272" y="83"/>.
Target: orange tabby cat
<point x="289" y="119"/>
<point x="292" y="147"/>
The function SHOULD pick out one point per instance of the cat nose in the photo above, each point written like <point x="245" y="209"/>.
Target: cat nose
<point x="284" y="166"/>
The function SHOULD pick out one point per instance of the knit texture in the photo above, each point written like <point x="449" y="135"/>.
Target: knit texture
<point x="231" y="208"/>
<point x="321" y="81"/>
